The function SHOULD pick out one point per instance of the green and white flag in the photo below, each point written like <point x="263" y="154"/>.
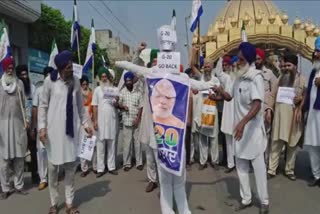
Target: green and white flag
<point x="243" y="33"/>
<point x="54" y="52"/>
<point x="4" y="42"/>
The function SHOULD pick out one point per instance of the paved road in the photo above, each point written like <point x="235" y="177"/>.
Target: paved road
<point x="209" y="192"/>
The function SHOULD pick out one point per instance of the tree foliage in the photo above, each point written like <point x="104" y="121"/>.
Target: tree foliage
<point x="52" y="25"/>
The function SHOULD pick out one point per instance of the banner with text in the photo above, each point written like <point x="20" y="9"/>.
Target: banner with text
<point x="169" y="99"/>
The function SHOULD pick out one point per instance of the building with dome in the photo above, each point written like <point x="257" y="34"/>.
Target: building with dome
<point x="266" y="27"/>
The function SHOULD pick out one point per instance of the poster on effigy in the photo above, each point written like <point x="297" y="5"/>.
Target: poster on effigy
<point x="169" y="98"/>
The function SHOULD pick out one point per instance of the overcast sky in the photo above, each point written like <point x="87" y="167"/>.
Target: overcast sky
<point x="142" y="18"/>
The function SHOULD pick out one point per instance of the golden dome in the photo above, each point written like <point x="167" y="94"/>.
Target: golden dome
<point x="250" y="12"/>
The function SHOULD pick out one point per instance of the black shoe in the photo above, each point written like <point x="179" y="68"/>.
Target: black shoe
<point x="215" y="166"/>
<point x="99" y="174"/>
<point x="315" y="182"/>
<point x="270" y="176"/>
<point x="126" y="168"/>
<point x="242" y="207"/>
<point x="21" y="192"/>
<point x="84" y="174"/>
<point x="291" y="177"/>
<point x="113" y="172"/>
<point x="203" y="166"/>
<point x="140" y="168"/>
<point x="264" y="209"/>
<point x="151" y="186"/>
<point x="95" y="172"/>
<point x="5" y="195"/>
<point x="229" y="170"/>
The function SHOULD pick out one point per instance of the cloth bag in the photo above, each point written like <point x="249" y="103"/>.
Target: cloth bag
<point x="208" y="113"/>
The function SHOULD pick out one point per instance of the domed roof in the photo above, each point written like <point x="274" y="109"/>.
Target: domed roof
<point x="249" y="11"/>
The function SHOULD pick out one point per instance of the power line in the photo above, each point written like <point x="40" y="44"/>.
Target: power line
<point x="121" y="23"/>
<point x="108" y="20"/>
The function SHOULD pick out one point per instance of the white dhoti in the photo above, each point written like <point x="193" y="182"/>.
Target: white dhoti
<point x="151" y="155"/>
<point x="17" y="166"/>
<point x="130" y="135"/>
<point x="260" y="173"/>
<point x="230" y="150"/>
<point x="111" y="153"/>
<point x="42" y="164"/>
<point x="53" y="171"/>
<point x="173" y="187"/>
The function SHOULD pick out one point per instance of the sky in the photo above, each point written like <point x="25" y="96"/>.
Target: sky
<point x="140" y="19"/>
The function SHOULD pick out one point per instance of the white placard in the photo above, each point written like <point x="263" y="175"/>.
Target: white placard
<point x="87" y="147"/>
<point x="77" y="70"/>
<point x="169" y="62"/>
<point x="286" y="95"/>
<point x="110" y="92"/>
<point x="166" y="33"/>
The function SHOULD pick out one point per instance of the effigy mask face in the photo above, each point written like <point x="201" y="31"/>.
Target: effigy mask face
<point x="167" y="38"/>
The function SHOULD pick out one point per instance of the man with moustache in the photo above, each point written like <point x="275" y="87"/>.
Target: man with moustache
<point x="288" y="121"/>
<point x="249" y="135"/>
<point x="29" y="90"/>
<point x="312" y="106"/>
<point x="13" y="140"/>
<point x="60" y="109"/>
<point x="105" y="121"/>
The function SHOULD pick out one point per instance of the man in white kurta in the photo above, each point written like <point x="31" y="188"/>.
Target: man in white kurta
<point x="13" y="135"/>
<point x="59" y="112"/>
<point x="312" y="132"/>
<point x="249" y="134"/>
<point x="105" y="117"/>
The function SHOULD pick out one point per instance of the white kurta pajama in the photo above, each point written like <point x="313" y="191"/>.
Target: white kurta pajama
<point x="41" y="149"/>
<point x="312" y="133"/>
<point x="253" y="143"/>
<point x="171" y="186"/>
<point x="107" y="129"/>
<point x="227" y="122"/>
<point x="13" y="137"/>
<point x="61" y="149"/>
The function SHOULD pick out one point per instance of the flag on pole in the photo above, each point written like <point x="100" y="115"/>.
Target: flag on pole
<point x="174" y="20"/>
<point x="195" y="14"/>
<point x="54" y="52"/>
<point x="90" y="50"/>
<point x="75" y="28"/>
<point x="243" y="33"/>
<point x="5" y="50"/>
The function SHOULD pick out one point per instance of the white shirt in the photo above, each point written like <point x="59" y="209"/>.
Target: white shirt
<point x="107" y="114"/>
<point x="244" y="92"/>
<point x="60" y="147"/>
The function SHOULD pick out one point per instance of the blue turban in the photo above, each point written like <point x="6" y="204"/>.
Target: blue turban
<point x="62" y="59"/>
<point x="248" y="50"/>
<point x="128" y="76"/>
<point x="234" y="59"/>
<point x="317" y="43"/>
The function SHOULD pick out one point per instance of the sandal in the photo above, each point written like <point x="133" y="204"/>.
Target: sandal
<point x="72" y="210"/>
<point x="53" y="210"/>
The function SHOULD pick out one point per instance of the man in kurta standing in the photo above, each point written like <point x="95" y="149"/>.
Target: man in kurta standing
<point x="287" y="124"/>
<point x="312" y="106"/>
<point x="105" y="121"/>
<point x="13" y="135"/>
<point x="250" y="139"/>
<point x="60" y="108"/>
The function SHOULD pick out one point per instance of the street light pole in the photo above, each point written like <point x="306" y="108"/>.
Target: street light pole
<point x="187" y="35"/>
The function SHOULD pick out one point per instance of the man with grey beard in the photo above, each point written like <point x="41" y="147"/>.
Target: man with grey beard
<point x="13" y="135"/>
<point x="59" y="111"/>
<point x="312" y="106"/>
<point x="287" y="125"/>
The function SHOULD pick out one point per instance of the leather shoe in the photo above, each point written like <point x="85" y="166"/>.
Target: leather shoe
<point x="291" y="177"/>
<point x="151" y="186"/>
<point x="270" y="176"/>
<point x="42" y="186"/>
<point x="315" y="182"/>
<point x="203" y="166"/>
<point x="126" y="169"/>
<point x="140" y="168"/>
<point x="4" y="195"/>
<point x="215" y="166"/>
<point x="264" y="209"/>
<point x="113" y="172"/>
<point x="242" y="207"/>
<point x="84" y="174"/>
<point x="99" y="174"/>
<point x="229" y="170"/>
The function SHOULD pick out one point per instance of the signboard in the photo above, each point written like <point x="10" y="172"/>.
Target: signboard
<point x="169" y="62"/>
<point x="37" y="60"/>
<point x="77" y="70"/>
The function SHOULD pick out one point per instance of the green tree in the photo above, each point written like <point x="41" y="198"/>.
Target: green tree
<point x="52" y="25"/>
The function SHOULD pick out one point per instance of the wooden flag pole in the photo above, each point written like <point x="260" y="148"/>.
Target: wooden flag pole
<point x="93" y="82"/>
<point x="198" y="41"/>
<point x="77" y="37"/>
